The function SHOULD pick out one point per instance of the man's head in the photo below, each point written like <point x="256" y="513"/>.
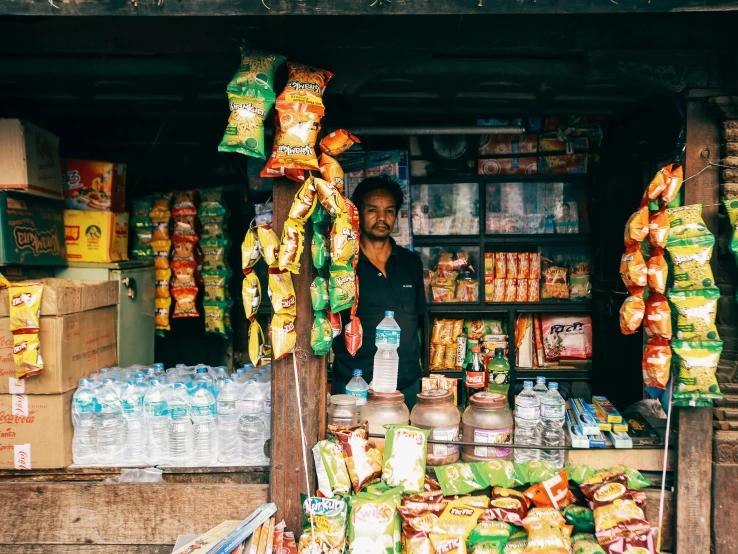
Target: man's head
<point x="378" y="200"/>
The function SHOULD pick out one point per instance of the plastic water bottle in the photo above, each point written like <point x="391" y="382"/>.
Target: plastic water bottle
<point x="386" y="360"/>
<point x="143" y="385"/>
<point x="251" y="428"/>
<point x="540" y="387"/>
<point x="229" y="449"/>
<point x="553" y="414"/>
<point x="84" y="419"/>
<point x="268" y="415"/>
<point x="527" y="424"/>
<point x="156" y="414"/>
<point x="205" y="430"/>
<point x="359" y="388"/>
<point x="180" y="425"/>
<point x="131" y="397"/>
<point x="202" y="375"/>
<point x="109" y="424"/>
<point x="159" y="368"/>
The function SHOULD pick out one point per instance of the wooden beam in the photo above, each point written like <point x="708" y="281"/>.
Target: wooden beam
<point x="354" y="7"/>
<point x="694" y="460"/>
<point x="287" y="478"/>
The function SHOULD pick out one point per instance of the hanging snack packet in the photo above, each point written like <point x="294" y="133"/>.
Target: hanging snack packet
<point x="696" y="363"/>
<point x="319" y="249"/>
<point x="140" y="218"/>
<point x="585" y="543"/>
<point x="363" y="459"/>
<point x="292" y="244"/>
<point x="457" y="479"/>
<point x="405" y="454"/>
<point x="321" y="218"/>
<point x="250" y="251"/>
<point x="674" y="181"/>
<point x="506" y="505"/>
<point x="323" y="525"/>
<point x="580" y="517"/>
<point x="25" y="311"/>
<point x="633" y="269"/>
<point x="695" y="312"/>
<point x="636" y="229"/>
<point x="215" y="318"/>
<point x="255" y="75"/>
<point x="631" y="314"/>
<point x="161" y="250"/>
<point x="553" y="492"/>
<point x="295" y="144"/>
<point x="656" y="363"/>
<point x="342" y="288"/>
<point x="162" y="307"/>
<point x="268" y="243"/>
<point x="731" y="206"/>
<point x="304" y="202"/>
<point x="251" y="293"/>
<point x="489" y="537"/>
<point x="331" y="171"/>
<point x="160" y="209"/>
<point x="27" y="354"/>
<point x="344" y="241"/>
<point x="353" y="335"/>
<point x="321" y="334"/>
<point x="658" y="271"/>
<point x="658" y="229"/>
<point x="330" y="466"/>
<point x="282" y="292"/>
<point x="374" y="525"/>
<point x="319" y="294"/>
<point x="244" y="132"/>
<point x="282" y="335"/>
<point x="305" y="86"/>
<point x="215" y="255"/>
<point x="338" y="142"/>
<point x="183" y="274"/>
<point x="335" y="321"/>
<point x="216" y="284"/>
<point x="185" y="299"/>
<point x="496" y="473"/>
<point x="161" y="284"/>
<point x="685" y="222"/>
<point x="658" y="317"/>
<point x="330" y="197"/>
<point x="256" y="341"/>
<point x="691" y="261"/>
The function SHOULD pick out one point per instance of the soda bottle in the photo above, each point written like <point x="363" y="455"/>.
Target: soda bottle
<point x="499" y="373"/>
<point x="475" y="376"/>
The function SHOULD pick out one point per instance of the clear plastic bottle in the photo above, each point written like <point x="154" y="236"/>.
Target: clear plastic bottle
<point x="180" y="425"/>
<point x="143" y="385"/>
<point x="360" y="389"/>
<point x="131" y="397"/>
<point x="251" y="428"/>
<point x="156" y="415"/>
<point x="202" y="375"/>
<point x="540" y="387"/>
<point x="205" y="430"/>
<point x="84" y="419"/>
<point x="159" y="368"/>
<point x="109" y="424"/>
<point x="267" y="414"/>
<point x="527" y="424"/>
<point x="387" y="341"/>
<point x="553" y="414"/>
<point x="229" y="450"/>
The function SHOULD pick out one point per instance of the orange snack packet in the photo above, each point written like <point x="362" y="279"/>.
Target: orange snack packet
<point x="631" y="314"/>
<point x="511" y="290"/>
<point x="500" y="265"/>
<point x="658" y="317"/>
<point x="512" y="265"/>
<point x="658" y="271"/>
<point x="331" y="171"/>
<point x="546" y="532"/>
<point x="338" y="142"/>
<point x="658" y="229"/>
<point x="295" y="145"/>
<point x="305" y="87"/>
<point x="636" y="229"/>
<point x="523" y="265"/>
<point x="673" y="183"/>
<point x="656" y="363"/>
<point x="633" y="268"/>
<point x="551" y="493"/>
<point x="534" y="262"/>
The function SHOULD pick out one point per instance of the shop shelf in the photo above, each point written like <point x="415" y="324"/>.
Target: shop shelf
<point x="537" y="239"/>
<point x="560" y="374"/>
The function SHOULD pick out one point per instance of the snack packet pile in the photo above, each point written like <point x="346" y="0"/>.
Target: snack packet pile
<point x="25" y="312"/>
<point x="184" y="255"/>
<point x="212" y="215"/>
<point x="161" y="245"/>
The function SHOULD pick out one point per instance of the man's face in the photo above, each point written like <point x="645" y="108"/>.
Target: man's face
<point x="378" y="214"/>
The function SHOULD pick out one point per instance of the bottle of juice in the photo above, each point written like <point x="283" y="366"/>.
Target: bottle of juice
<point x="498" y="379"/>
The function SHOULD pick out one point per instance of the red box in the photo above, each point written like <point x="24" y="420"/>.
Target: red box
<point x="95" y="186"/>
<point x="500" y="145"/>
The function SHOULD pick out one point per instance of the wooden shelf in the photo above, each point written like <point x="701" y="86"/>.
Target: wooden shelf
<point x="556" y="306"/>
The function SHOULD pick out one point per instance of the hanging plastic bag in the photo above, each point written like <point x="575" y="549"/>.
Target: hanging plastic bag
<point x="631" y="314"/>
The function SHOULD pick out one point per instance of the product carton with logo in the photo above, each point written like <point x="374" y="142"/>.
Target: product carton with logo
<point x="100" y="237"/>
<point x="31" y="231"/>
<point x="95" y="186"/>
<point x="29" y="159"/>
<point x="36" y="431"/>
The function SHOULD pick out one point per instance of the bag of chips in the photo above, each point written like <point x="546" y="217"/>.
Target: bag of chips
<point x="579" y="473"/>
<point x="353" y="335"/>
<point x="585" y="543"/>
<point x="295" y="144"/>
<point x="319" y="249"/>
<point x="321" y="218"/>
<point x="632" y="313"/>
<point x="516" y="545"/>
<point x="160" y="210"/>
<point x="268" y="243"/>
<point x="331" y="171"/>
<point x="506" y="505"/>
<point x="731" y="206"/>
<point x="636" y="481"/>
<point x="281" y="292"/>
<point x="256" y="341"/>
<point x="291" y="246"/>
<point x="323" y="525"/>
<point x="374" y="524"/>
<point x="674" y="179"/>
<point x="321" y="335"/>
<point x="685" y="222"/>
<point x="344" y="241"/>
<point x="458" y="519"/>
<point x="696" y="364"/>
<point x="554" y="283"/>
<point x="162" y="307"/>
<point x="185" y="298"/>
<point x="216" y="284"/>
<point x="658" y="229"/>
<point x="161" y="250"/>
<point x="304" y="202"/>
<point x="553" y="492"/>
<point x="656" y="363"/>
<point x="546" y="533"/>
<point x="342" y="288"/>
<point x="282" y="334"/>
<point x="214" y="313"/>
<point x="537" y="471"/>
<point x="633" y="269"/>
<point x="161" y="284"/>
<point x="418" y="521"/>
<point x="489" y="537"/>
<point x="591" y="484"/>
<point x="447" y="544"/>
<point x="691" y="261"/>
<point x="250" y="250"/>
<point x="25" y="311"/>
<point x="658" y="271"/>
<point x="330" y="466"/>
<point x="458" y="479"/>
<point x="255" y="75"/>
<point x="338" y="142"/>
<point x="305" y="87"/>
<point x="215" y="254"/>
<point x="405" y="454"/>
<point x="330" y="197"/>
<point x="363" y="459"/>
<point x="636" y="229"/>
<point x="251" y="293"/>
<point x="319" y="294"/>
<point x="657" y="317"/>
<point x="580" y="517"/>
<point x="244" y="132"/>
<point x="496" y="473"/>
<point x="695" y="312"/>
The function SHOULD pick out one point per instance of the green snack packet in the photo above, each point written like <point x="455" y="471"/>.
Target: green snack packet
<point x="255" y="74"/>
<point x="142" y="244"/>
<point x="694" y="313"/>
<point x="579" y="474"/>
<point x="321" y="335"/>
<point x="585" y="543"/>
<point x="685" y="222"/>
<point x="457" y="479"/>
<point x="695" y="364"/>
<point x="377" y="489"/>
<point x="580" y="517"/>
<point x="636" y="481"/>
<point x="140" y="218"/>
<point x="731" y="206"/>
<point x="330" y="465"/>
<point x="489" y="537"/>
<point x="405" y="452"/>
<point x="319" y="294"/>
<point x="216" y="285"/>
<point x="215" y="254"/>
<point x="518" y="533"/>
<point x="212" y="205"/>
<point x="323" y="524"/>
<point x="374" y="524"/>
<point x="539" y="471"/>
<point x="244" y="132"/>
<point x="496" y="473"/>
<point x="342" y="288"/>
<point x="319" y="249"/>
<point x="321" y="219"/>
<point x="521" y="471"/>
<point x="690" y="260"/>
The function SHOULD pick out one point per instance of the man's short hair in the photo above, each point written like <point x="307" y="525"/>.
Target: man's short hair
<point x="380" y="182"/>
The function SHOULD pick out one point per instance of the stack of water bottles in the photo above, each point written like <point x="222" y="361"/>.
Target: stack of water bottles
<point x="539" y="421"/>
<point x="184" y="416"/>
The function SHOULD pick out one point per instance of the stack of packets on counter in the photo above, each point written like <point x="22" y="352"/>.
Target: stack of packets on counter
<point x="185" y="253"/>
<point x="441" y="382"/>
<point x="545" y="340"/>
<point x="453" y="279"/>
<point x="452" y="339"/>
<point x="212" y="215"/>
<point x="161" y="244"/>
<point x="586" y="424"/>
<point x="143" y="228"/>
<point x="512" y="276"/>
<point x="25" y="312"/>
<point x="250" y="98"/>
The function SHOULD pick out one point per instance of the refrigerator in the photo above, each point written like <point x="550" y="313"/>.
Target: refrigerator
<point x="135" y="308"/>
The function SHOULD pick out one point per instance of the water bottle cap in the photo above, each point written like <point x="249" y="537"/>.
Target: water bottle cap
<point x="553" y="385"/>
<point x="104" y="370"/>
<point x="541" y="379"/>
<point x="202" y="385"/>
<point x="227" y="380"/>
<point x="140" y="375"/>
<point x="357" y="373"/>
<point x="180" y="365"/>
<point x="389" y="313"/>
<point x="527" y="384"/>
<point x="179" y="385"/>
<point x="84" y="381"/>
<point x="108" y="381"/>
<point x="130" y="382"/>
<point x="240" y="371"/>
<point x="158" y="365"/>
<point x="250" y="381"/>
<point x="155" y="382"/>
<point x="201" y="370"/>
<point x="221" y="368"/>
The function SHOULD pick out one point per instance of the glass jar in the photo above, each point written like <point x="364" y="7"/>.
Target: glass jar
<point x="487" y="419"/>
<point x="384" y="408"/>
<point x="342" y="410"/>
<point x="435" y="410"/>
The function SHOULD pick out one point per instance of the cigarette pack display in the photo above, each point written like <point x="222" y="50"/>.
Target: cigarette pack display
<point x="613" y="416"/>
<point x="597" y="441"/>
<point x="599" y="416"/>
<point x="583" y="419"/>
<point x="577" y="438"/>
<point x="620" y="439"/>
<point x="602" y="416"/>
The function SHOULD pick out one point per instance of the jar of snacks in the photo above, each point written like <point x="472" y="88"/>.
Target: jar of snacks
<point x="435" y="410"/>
<point x="342" y="410"/>
<point x="384" y="408"/>
<point x="487" y="420"/>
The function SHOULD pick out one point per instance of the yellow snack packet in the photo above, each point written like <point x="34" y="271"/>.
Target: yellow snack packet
<point x="4" y="283"/>
<point x="25" y="307"/>
<point x="250" y="249"/>
<point x="251" y="293"/>
<point x="305" y="201"/>
<point x="293" y="243"/>
<point x="214" y="313"/>
<point x="330" y="197"/>
<point x="458" y="519"/>
<point x="163" y="277"/>
<point x="343" y="240"/>
<point x="27" y="355"/>
<point x="256" y="340"/>
<point x="162" y="309"/>
<point x="268" y="243"/>
<point x="283" y="335"/>
<point x="282" y="292"/>
<point x="447" y="544"/>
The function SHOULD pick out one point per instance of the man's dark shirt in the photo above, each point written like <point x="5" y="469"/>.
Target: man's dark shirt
<point x="402" y="292"/>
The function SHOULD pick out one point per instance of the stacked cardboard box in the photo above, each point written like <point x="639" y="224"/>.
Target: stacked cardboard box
<point x="78" y="337"/>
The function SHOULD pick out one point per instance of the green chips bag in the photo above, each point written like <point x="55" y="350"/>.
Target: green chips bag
<point x="691" y="262"/>
<point x="323" y="525"/>
<point x="580" y="517"/>
<point x="696" y="364"/>
<point x="405" y="452"/>
<point x="579" y="474"/>
<point x="489" y="537"/>
<point x="342" y="288"/>
<point x="636" y="481"/>
<point x="255" y="75"/>
<point x="496" y="473"/>
<point x="537" y="471"/>
<point x="330" y="465"/>
<point x="319" y="249"/>
<point x="319" y="294"/>
<point x="584" y="543"/>
<point x="321" y="335"/>
<point x="374" y="524"/>
<point x="685" y="222"/>
<point x="457" y="479"/>
<point x="731" y="206"/>
<point x="244" y="132"/>
<point x="140" y="218"/>
<point x="694" y="312"/>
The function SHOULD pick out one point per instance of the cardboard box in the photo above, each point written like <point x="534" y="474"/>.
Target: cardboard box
<point x="73" y="346"/>
<point x="95" y="186"/>
<point x="507" y="166"/>
<point x="500" y="145"/>
<point x="67" y="296"/>
<point x="96" y="236"/>
<point x="36" y="431"/>
<point x="31" y="230"/>
<point x="564" y="163"/>
<point x="29" y="159"/>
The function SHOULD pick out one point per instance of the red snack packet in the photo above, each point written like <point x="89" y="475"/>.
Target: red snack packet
<point x="335" y="320"/>
<point x="506" y="505"/>
<point x="512" y="265"/>
<point x="656" y="363"/>
<point x="658" y="317"/>
<point x="338" y="142"/>
<point x="353" y="335"/>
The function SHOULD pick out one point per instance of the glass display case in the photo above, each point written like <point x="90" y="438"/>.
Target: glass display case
<point x="451" y="273"/>
<point x="446" y="209"/>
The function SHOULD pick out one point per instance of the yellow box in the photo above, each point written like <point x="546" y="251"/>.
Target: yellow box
<point x="96" y="236"/>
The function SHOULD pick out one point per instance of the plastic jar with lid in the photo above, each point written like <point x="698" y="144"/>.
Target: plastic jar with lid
<point x="435" y="410"/>
<point x="342" y="410"/>
<point x="488" y="420"/>
<point x="384" y="408"/>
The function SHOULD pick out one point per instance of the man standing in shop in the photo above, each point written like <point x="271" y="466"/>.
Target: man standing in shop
<point x="390" y="278"/>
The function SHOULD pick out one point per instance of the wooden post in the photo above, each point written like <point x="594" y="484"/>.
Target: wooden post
<point x="694" y="460"/>
<point x="287" y="479"/>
